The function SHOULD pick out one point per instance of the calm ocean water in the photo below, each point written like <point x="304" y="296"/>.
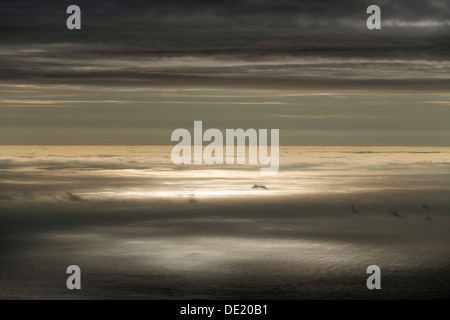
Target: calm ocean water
<point x="140" y="227"/>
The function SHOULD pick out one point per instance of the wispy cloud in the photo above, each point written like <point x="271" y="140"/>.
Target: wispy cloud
<point x="19" y="91"/>
<point x="90" y="64"/>
<point x="37" y="106"/>
<point x="49" y="102"/>
<point x="61" y="103"/>
<point x="438" y="102"/>
<point x="376" y="102"/>
<point x="309" y="116"/>
<point x="329" y="116"/>
<point x="221" y="102"/>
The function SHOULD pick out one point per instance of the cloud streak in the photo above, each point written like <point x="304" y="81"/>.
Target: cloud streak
<point x="91" y="65"/>
<point x="330" y="116"/>
<point x="438" y="102"/>
<point x="311" y="116"/>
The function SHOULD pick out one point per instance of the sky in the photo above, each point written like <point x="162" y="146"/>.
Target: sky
<point x="137" y="70"/>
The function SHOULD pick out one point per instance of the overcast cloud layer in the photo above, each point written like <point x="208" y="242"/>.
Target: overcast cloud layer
<point x="234" y="42"/>
<point x="60" y="86"/>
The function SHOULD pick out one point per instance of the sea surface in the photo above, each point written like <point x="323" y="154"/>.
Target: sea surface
<point x="140" y="227"/>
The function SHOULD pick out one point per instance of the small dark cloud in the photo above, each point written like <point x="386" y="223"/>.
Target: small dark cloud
<point x="73" y="197"/>
<point x="192" y="200"/>
<point x="5" y="197"/>
<point x="396" y="214"/>
<point x="28" y="195"/>
<point x="259" y="186"/>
